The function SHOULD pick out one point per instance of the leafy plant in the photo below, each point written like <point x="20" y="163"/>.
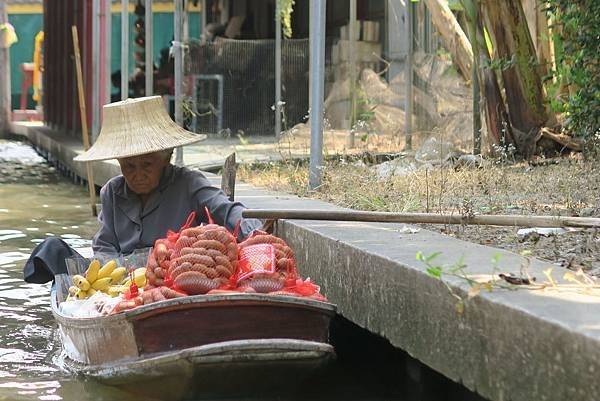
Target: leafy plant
<point x="577" y="23"/>
<point x="286" y="8"/>
<point x="459" y="270"/>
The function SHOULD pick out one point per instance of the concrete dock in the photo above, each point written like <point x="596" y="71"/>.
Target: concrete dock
<point x="519" y="344"/>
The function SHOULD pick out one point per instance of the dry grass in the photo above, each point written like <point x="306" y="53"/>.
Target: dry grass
<point x="569" y="187"/>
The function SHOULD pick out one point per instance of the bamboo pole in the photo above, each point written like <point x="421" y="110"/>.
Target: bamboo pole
<point x="84" y="129"/>
<point x="426" y="218"/>
<point x="5" y="90"/>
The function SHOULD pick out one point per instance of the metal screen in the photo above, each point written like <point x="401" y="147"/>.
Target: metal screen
<point x="233" y="85"/>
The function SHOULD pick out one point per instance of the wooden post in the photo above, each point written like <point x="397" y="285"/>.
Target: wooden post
<point x="124" y="49"/>
<point x="5" y="95"/>
<point x="108" y="50"/>
<point x="149" y="38"/>
<point x="84" y="129"/>
<point x="228" y="176"/>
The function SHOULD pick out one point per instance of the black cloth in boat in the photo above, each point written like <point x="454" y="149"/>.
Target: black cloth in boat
<point x="47" y="260"/>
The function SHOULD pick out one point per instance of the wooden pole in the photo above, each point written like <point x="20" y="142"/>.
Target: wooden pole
<point x="149" y="38"/>
<point x="425" y="218"/>
<point x="228" y="176"/>
<point x="5" y="100"/>
<point x="124" y="49"/>
<point x="84" y="128"/>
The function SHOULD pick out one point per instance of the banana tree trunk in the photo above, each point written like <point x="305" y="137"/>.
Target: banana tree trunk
<point x="496" y="116"/>
<point x="522" y="83"/>
<point x="453" y="37"/>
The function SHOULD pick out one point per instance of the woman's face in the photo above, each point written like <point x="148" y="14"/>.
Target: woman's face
<point x="142" y="173"/>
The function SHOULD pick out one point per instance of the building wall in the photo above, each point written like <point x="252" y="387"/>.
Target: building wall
<point x="28" y="20"/>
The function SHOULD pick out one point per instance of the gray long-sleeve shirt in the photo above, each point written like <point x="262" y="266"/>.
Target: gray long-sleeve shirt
<point x="125" y="225"/>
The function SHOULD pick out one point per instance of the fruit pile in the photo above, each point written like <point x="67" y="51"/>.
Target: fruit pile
<point x="266" y="262"/>
<point x="201" y="259"/>
<point x="110" y="279"/>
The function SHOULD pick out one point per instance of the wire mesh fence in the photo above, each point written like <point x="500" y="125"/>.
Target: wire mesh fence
<point x="231" y="87"/>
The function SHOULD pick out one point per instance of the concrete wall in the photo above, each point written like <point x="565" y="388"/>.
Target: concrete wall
<point x="506" y="345"/>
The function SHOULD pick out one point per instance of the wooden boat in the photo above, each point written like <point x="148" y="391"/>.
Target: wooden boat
<point x="204" y="341"/>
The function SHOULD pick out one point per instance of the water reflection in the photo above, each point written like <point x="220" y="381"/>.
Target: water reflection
<point x="35" y="202"/>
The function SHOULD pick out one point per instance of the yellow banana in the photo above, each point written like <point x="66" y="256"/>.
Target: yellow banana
<point x="139" y="276"/>
<point x="101" y="284"/>
<point x="118" y="274"/>
<point x="92" y="272"/>
<point x="81" y="294"/>
<point x="81" y="282"/>
<point x="107" y="269"/>
<point x="127" y="283"/>
<point x="115" y="290"/>
<point x="73" y="290"/>
<point x="91" y="292"/>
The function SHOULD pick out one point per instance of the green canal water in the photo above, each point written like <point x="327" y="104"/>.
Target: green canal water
<point x="37" y="202"/>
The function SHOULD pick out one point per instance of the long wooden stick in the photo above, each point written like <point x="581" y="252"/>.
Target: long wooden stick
<point x="430" y="218"/>
<point x="228" y="176"/>
<point x="84" y="128"/>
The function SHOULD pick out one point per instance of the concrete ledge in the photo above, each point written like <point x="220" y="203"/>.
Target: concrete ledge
<point x="518" y="345"/>
<point x="507" y="345"/>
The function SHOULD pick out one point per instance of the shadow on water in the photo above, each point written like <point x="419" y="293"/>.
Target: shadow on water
<point x="367" y="368"/>
<point x="35" y="202"/>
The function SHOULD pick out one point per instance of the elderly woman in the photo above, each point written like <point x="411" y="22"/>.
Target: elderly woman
<point x="151" y="196"/>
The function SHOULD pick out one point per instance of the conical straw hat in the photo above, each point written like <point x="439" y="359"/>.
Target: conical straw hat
<point x="135" y="127"/>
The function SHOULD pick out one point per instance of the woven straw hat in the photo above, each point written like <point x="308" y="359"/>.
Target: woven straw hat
<point x="135" y="127"/>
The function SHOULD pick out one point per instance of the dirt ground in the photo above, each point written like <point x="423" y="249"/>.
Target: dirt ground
<point x="565" y="186"/>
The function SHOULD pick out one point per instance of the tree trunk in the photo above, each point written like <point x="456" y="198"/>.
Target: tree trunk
<point x="496" y="117"/>
<point x="453" y="37"/>
<point x="538" y="27"/>
<point x="5" y="98"/>
<point x="524" y="95"/>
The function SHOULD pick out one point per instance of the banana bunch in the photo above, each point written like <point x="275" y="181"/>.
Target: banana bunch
<point x="97" y="278"/>
<point x="109" y="279"/>
<point x="139" y="276"/>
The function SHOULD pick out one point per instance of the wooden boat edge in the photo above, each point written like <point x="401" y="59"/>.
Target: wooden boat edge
<point x="190" y="301"/>
<point x="240" y="351"/>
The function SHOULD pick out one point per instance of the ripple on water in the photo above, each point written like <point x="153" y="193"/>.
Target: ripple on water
<point x="35" y="203"/>
<point x="11" y="257"/>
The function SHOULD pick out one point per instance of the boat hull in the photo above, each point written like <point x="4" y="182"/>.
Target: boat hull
<point x="201" y="343"/>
